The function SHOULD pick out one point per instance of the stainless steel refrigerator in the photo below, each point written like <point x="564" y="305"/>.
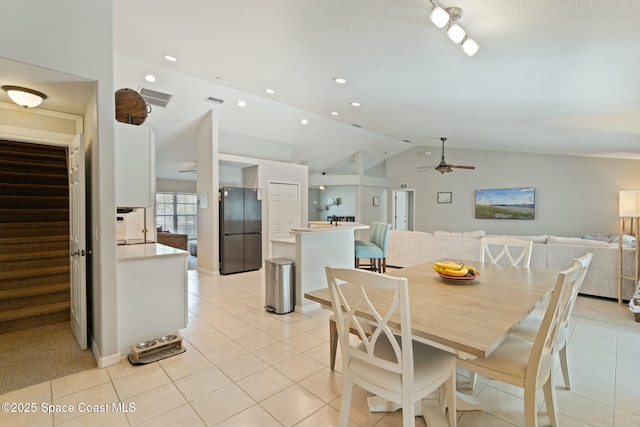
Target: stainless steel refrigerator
<point x="240" y="229"/>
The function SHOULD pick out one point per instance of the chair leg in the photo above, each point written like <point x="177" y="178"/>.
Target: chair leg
<point x="384" y="265"/>
<point x="473" y="378"/>
<point x="357" y="262"/>
<point x="408" y="411"/>
<point x="345" y="406"/>
<point x="333" y="343"/>
<point x="530" y="407"/>
<point x="564" y="365"/>
<point x="549" y="389"/>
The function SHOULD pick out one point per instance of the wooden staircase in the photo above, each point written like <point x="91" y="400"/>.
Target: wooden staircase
<point x="34" y="236"/>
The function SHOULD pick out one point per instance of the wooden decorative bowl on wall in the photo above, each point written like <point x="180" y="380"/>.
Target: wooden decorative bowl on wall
<point x="130" y="107"/>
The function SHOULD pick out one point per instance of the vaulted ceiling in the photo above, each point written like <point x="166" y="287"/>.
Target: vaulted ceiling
<point x="550" y="76"/>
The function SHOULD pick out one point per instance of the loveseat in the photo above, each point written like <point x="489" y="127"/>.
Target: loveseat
<point x="549" y="252"/>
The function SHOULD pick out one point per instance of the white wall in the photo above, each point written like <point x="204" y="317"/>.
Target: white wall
<point x="574" y="195"/>
<point x="230" y="176"/>
<point x="174" y="185"/>
<point x="75" y="37"/>
<point x="207" y="183"/>
<point x="347" y="196"/>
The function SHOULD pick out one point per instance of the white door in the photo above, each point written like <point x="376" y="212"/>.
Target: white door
<point x="284" y="208"/>
<point x="77" y="240"/>
<point x="401" y="219"/>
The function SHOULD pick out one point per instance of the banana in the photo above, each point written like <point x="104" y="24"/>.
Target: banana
<point x="461" y="272"/>
<point x="449" y="265"/>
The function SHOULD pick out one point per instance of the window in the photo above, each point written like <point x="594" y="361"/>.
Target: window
<point x="177" y="213"/>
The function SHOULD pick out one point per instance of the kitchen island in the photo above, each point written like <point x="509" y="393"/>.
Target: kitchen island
<point x="151" y="293"/>
<point x="312" y="249"/>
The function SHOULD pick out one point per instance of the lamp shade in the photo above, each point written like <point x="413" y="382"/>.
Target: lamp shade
<point x="24" y="97"/>
<point x="630" y="204"/>
<point x="439" y="17"/>
<point x="470" y="47"/>
<point x="456" y="33"/>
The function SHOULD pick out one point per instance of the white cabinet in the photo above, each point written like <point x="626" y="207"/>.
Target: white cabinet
<point x="135" y="166"/>
<point x="151" y="293"/>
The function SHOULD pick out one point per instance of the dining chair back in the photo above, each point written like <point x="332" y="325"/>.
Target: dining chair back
<point x="528" y="364"/>
<point x="387" y="362"/>
<point x="375" y="249"/>
<point x="506" y="250"/>
<point x="529" y="328"/>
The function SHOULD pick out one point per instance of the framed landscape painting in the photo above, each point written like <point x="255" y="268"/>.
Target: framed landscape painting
<point x="506" y="203"/>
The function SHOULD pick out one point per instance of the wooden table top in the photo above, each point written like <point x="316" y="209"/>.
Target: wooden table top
<point x="472" y="318"/>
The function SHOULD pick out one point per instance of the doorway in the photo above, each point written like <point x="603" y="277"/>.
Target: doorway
<point x="42" y="193"/>
<point x="403" y="210"/>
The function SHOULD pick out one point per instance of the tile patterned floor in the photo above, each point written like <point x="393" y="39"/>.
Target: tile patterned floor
<point x="246" y="367"/>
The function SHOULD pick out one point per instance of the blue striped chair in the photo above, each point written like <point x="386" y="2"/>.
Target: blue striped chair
<point x="375" y="249"/>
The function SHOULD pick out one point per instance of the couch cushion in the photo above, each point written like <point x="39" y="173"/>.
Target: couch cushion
<point x="535" y="239"/>
<point x="465" y="234"/>
<point x="575" y="241"/>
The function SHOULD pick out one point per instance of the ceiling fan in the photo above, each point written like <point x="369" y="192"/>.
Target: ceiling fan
<point x="444" y="166"/>
<point x="191" y="171"/>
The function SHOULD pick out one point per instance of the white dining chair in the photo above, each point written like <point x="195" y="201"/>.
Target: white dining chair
<point x="387" y="362"/>
<point x="503" y="250"/>
<point x="530" y="326"/>
<point x="528" y="364"/>
<point x="506" y="250"/>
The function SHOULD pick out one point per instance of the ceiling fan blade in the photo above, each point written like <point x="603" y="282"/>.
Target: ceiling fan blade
<point x="462" y="167"/>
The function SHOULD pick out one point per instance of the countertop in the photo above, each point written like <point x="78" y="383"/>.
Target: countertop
<point x="315" y="226"/>
<point x="148" y="250"/>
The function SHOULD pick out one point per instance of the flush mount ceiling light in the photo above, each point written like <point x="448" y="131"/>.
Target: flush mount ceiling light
<point x="24" y="97"/>
<point x="442" y="17"/>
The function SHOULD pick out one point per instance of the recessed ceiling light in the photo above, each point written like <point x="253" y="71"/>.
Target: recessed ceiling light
<point x="170" y="58"/>
<point x="339" y="80"/>
<point x="334" y="113"/>
<point x="355" y="104"/>
<point x="270" y="91"/>
<point x="304" y="121"/>
<point x="242" y="104"/>
<point x="150" y="78"/>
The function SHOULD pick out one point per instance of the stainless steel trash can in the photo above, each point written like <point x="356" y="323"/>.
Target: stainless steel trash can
<point x="279" y="285"/>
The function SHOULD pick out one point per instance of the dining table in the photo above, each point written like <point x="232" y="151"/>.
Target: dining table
<point x="469" y="316"/>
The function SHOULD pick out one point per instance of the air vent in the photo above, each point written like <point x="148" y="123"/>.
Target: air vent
<point x="404" y="185"/>
<point x="153" y="97"/>
<point x="214" y="100"/>
<point x="356" y="125"/>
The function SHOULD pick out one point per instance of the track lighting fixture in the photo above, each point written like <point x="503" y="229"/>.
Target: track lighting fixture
<point x="441" y="17"/>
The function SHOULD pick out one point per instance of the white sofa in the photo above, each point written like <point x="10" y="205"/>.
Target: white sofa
<point x="549" y="252"/>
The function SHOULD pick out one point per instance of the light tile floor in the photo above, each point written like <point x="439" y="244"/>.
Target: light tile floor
<point x="246" y="367"/>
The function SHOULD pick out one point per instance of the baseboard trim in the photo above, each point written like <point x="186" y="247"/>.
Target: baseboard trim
<point x="104" y="362"/>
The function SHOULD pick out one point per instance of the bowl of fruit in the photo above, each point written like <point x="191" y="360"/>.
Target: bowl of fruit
<point x="455" y="272"/>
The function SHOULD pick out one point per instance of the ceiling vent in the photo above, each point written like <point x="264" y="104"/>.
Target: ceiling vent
<point x="153" y="97"/>
<point x="214" y="100"/>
